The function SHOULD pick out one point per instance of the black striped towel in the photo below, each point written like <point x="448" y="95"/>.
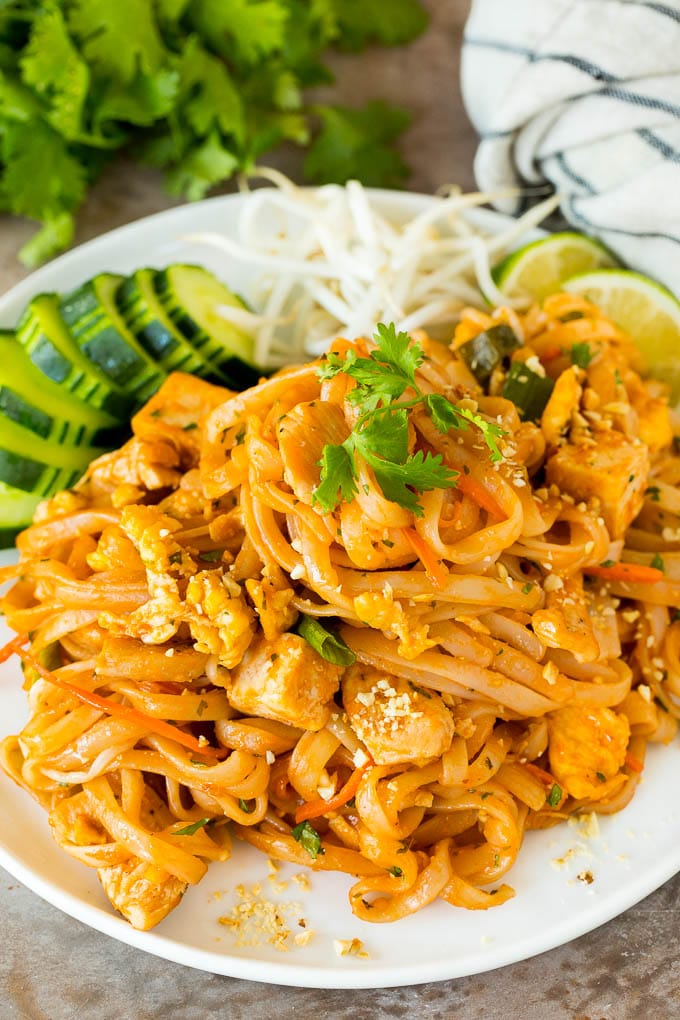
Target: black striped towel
<point x="585" y="95"/>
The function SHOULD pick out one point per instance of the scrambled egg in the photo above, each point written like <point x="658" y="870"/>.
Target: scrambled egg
<point x="213" y="605"/>
<point x="380" y="611"/>
<point x="587" y="749"/>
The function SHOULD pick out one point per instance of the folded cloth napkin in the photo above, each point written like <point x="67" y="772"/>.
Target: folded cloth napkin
<point x="584" y="95"/>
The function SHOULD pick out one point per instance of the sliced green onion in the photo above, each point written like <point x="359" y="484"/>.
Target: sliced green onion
<point x="555" y="795"/>
<point x="191" y="830"/>
<point x="307" y="836"/>
<point x="528" y="391"/>
<point x="581" y="355"/>
<point x="329" y="646"/>
<point x="486" y="350"/>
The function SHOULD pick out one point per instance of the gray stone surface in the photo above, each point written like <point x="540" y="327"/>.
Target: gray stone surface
<point x="54" y="968"/>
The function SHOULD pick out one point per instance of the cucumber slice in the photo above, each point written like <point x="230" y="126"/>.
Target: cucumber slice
<point x="190" y="296"/>
<point x="98" y="328"/>
<point x="49" y="345"/>
<point x="16" y="513"/>
<point x="146" y="317"/>
<point x="37" y="465"/>
<point x="32" y="400"/>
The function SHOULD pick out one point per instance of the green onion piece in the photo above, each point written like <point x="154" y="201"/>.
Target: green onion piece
<point x="555" y="795"/>
<point x="244" y="805"/>
<point x="528" y="391"/>
<point x="211" y="555"/>
<point x="190" y="830"/>
<point x="307" y="836"/>
<point x="329" y="646"/>
<point x="570" y="316"/>
<point x="657" y="563"/>
<point x="486" y="350"/>
<point x="395" y="872"/>
<point x="581" y="355"/>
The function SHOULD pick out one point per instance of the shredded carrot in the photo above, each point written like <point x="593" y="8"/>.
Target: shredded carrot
<point x="434" y="568"/>
<point x="633" y="763"/>
<point x="550" y="353"/>
<point x="13" y="647"/>
<point x="479" y="495"/>
<point x="538" y="773"/>
<point x="316" y="808"/>
<point x="158" y="726"/>
<point x="636" y="573"/>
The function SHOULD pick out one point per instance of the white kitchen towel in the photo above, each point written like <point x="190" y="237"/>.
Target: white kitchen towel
<point x="583" y="95"/>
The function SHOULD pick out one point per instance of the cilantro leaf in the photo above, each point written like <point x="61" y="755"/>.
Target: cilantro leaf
<point x="338" y="477"/>
<point x="364" y="21"/>
<point x="386" y="431"/>
<point x="581" y="355"/>
<point x="52" y="66"/>
<point x="118" y="38"/>
<point x="241" y="30"/>
<point x="421" y="471"/>
<point x="357" y="144"/>
<point x="398" y="350"/>
<point x="203" y="166"/>
<point x="446" y="416"/>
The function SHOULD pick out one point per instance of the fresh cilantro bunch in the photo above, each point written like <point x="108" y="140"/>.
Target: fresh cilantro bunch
<point x="380" y="435"/>
<point x="198" y="88"/>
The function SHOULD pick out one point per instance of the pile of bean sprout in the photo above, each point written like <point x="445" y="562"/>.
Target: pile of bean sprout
<point x="334" y="261"/>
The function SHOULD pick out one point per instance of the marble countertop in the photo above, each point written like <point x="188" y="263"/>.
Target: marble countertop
<point x="54" y="968"/>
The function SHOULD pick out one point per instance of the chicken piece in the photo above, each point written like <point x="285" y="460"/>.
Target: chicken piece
<point x="396" y="720"/>
<point x="220" y="619"/>
<point x="565" y="621"/>
<point x="302" y="434"/>
<point x="285" y="680"/>
<point x="178" y="408"/>
<point x="614" y="470"/>
<point x="142" y="893"/>
<point x="587" y="749"/>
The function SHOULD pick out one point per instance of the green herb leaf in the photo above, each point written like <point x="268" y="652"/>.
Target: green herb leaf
<point x="245" y="806"/>
<point x="338" y="478"/>
<point x="190" y="830"/>
<point x="395" y="871"/>
<point x="654" y="493"/>
<point x="329" y="646"/>
<point x="307" y="836"/>
<point x="358" y="144"/>
<point x="554" y="796"/>
<point x="211" y="555"/>
<point x="657" y="563"/>
<point x="581" y="355"/>
<point x="381" y="435"/>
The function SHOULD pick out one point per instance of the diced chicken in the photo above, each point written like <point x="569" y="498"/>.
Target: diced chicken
<point x="587" y="749"/>
<point x="142" y="893"/>
<point x="615" y="471"/>
<point x="285" y="680"/>
<point x="397" y="721"/>
<point x="302" y="434"/>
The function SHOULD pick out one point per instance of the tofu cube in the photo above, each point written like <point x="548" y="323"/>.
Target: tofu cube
<point x="615" y="471"/>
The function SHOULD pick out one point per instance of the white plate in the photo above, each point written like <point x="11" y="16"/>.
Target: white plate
<point x="637" y="850"/>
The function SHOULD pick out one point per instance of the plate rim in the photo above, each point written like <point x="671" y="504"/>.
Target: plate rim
<point x="289" y="972"/>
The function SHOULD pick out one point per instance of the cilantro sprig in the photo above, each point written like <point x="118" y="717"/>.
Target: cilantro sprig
<point x="198" y="88"/>
<point x="381" y="433"/>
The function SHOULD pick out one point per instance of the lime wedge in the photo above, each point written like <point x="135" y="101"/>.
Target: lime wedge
<point x="645" y="310"/>
<point x="537" y="270"/>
